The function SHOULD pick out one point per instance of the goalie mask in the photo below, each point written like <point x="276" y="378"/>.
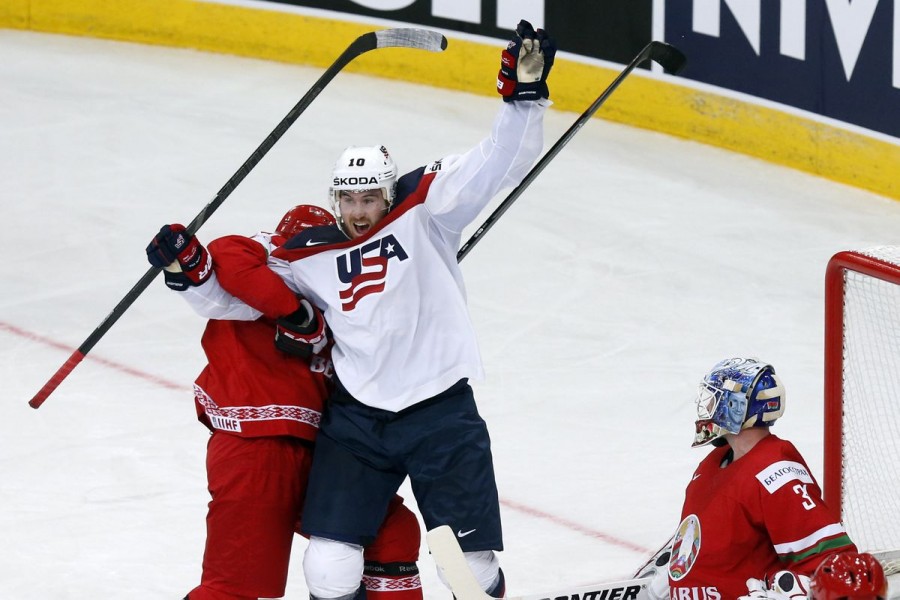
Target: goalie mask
<point x="361" y="168"/>
<point x="849" y="575"/>
<point x="736" y="394"/>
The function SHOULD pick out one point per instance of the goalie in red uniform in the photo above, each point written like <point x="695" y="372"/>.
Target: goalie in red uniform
<point x="753" y="524"/>
<point x="263" y="408"/>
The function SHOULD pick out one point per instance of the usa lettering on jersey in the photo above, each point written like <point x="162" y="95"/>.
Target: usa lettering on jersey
<point x="364" y="270"/>
<point x="781" y="473"/>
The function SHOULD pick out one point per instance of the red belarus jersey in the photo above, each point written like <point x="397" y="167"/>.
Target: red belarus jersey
<point x="250" y="388"/>
<point x="758" y="515"/>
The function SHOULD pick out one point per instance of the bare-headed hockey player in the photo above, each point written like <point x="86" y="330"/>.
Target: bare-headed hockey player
<point x="263" y="407"/>
<point x="753" y="524"/>
<point x="387" y="279"/>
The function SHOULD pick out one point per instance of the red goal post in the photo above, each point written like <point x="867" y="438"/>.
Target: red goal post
<point x="862" y="397"/>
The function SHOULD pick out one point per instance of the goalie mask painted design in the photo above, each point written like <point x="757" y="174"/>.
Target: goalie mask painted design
<point x="736" y="394"/>
<point x="849" y="575"/>
<point x="361" y="168"/>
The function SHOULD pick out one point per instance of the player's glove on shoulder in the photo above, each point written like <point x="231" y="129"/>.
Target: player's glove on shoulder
<point x="301" y="333"/>
<point x="185" y="260"/>
<point x="784" y="585"/>
<point x="525" y="64"/>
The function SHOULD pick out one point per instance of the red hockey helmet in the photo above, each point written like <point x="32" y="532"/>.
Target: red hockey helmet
<point x="849" y="575"/>
<point x="301" y="217"/>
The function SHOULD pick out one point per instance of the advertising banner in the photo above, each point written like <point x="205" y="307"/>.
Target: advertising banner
<point x="613" y="30"/>
<point x="835" y="58"/>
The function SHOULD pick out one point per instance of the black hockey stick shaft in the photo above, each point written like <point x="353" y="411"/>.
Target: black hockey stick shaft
<point x="672" y="61"/>
<point x="388" y="38"/>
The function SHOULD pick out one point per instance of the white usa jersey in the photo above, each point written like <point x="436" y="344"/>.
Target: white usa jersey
<point x="394" y="298"/>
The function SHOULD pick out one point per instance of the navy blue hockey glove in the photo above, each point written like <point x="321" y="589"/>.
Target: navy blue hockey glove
<point x="525" y="64"/>
<point x="185" y="260"/>
<point x="301" y="333"/>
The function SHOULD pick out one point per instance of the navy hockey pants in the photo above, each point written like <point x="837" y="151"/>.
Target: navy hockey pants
<point x="363" y="454"/>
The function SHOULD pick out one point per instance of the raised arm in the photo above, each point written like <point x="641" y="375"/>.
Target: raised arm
<point x="463" y="185"/>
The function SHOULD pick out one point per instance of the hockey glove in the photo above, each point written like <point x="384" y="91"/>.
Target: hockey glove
<point x="301" y="333"/>
<point x="185" y="260"/>
<point x="784" y="585"/>
<point x="525" y="64"/>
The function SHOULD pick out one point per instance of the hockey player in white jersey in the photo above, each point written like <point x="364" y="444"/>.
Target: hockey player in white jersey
<point x="387" y="280"/>
<point x="392" y="293"/>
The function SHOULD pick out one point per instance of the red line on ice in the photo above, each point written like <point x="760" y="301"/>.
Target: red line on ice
<point x="109" y="363"/>
<point x="609" y="539"/>
<point x="605" y="537"/>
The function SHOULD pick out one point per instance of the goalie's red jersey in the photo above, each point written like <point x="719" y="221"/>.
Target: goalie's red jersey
<point x="250" y="388"/>
<point x="751" y="518"/>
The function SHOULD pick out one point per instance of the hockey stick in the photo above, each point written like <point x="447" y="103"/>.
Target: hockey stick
<point x="450" y="560"/>
<point x="668" y="57"/>
<point x="388" y="38"/>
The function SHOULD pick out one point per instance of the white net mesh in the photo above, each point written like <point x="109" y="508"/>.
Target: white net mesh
<point x="870" y="480"/>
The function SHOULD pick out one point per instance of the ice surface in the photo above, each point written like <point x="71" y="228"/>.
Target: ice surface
<point x="631" y="265"/>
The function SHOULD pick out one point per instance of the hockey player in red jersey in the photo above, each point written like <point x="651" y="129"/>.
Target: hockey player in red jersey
<point x="405" y="349"/>
<point x="753" y="524"/>
<point x="263" y="407"/>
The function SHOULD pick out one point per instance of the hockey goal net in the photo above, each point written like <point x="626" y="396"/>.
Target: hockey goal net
<point x="862" y="398"/>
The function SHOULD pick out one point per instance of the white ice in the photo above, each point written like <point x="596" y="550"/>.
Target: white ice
<point x="632" y="264"/>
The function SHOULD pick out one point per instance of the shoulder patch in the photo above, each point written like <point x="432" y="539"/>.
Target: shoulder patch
<point x="782" y="472"/>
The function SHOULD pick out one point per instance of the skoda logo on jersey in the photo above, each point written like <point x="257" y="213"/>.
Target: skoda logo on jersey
<point x="364" y="269"/>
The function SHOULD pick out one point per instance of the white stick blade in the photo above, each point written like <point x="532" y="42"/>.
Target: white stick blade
<point x="423" y="39"/>
<point x="451" y="561"/>
<point x="453" y="566"/>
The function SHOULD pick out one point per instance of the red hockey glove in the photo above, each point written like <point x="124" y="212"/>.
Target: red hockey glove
<point x="185" y="259"/>
<point x="302" y="332"/>
<point x="525" y="64"/>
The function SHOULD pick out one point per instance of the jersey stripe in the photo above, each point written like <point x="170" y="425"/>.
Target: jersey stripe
<point x="826" y="538"/>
